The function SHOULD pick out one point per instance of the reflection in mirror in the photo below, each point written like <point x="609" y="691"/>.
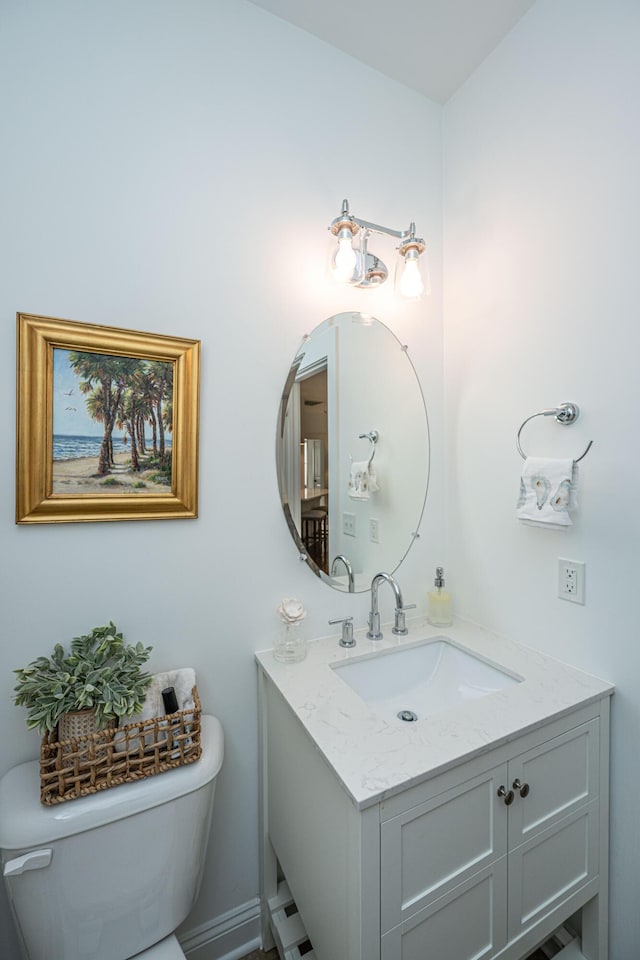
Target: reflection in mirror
<point x="352" y="451"/>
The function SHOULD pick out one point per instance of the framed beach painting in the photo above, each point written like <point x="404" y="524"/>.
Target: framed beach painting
<point x="107" y="424"/>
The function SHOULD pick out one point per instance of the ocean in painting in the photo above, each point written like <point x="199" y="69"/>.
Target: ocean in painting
<point x="72" y="448"/>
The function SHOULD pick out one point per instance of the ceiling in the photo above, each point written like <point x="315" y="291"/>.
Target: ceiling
<point x="429" y="45"/>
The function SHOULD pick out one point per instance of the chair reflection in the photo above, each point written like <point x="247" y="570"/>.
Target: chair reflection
<point x="314" y="535"/>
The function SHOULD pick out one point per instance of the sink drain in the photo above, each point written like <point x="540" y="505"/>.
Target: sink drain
<point x="407" y="715"/>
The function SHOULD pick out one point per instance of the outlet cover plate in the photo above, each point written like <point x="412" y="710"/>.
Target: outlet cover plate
<point x="349" y="524"/>
<point x="571" y="575"/>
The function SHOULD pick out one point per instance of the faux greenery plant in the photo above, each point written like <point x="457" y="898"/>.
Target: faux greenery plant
<point x="101" y="673"/>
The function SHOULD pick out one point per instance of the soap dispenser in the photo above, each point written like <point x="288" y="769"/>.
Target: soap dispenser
<point x="439" y="609"/>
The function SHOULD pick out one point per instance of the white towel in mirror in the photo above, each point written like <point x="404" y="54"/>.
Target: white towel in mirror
<point x="548" y="492"/>
<point x="362" y="480"/>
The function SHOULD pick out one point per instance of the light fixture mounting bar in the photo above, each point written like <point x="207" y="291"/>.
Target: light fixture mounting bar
<point x="377" y="228"/>
<point x="347" y="220"/>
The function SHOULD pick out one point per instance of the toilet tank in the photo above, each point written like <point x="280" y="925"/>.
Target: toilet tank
<point x="106" y="876"/>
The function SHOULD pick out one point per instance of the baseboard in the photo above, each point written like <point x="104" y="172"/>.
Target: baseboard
<point x="228" y="937"/>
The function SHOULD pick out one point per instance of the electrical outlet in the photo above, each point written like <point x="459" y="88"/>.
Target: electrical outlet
<point x="374" y="530"/>
<point x="349" y="524"/>
<point x="571" y="580"/>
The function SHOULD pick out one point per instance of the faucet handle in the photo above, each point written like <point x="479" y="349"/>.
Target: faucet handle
<point x="346" y="639"/>
<point x="400" y="625"/>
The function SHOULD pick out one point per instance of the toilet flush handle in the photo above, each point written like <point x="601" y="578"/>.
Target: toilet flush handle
<point x="33" y="860"/>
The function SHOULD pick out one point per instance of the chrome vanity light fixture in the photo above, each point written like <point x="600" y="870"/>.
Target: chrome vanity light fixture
<point x="357" y="266"/>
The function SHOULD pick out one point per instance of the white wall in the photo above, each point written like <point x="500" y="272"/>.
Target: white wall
<point x="542" y="204"/>
<point x="171" y="166"/>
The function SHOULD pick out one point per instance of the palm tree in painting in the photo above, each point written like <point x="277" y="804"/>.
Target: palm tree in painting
<point x="161" y="374"/>
<point x="124" y="392"/>
<point x="126" y="419"/>
<point x="139" y="403"/>
<point x="96" y="408"/>
<point x="103" y="380"/>
<point x="152" y="391"/>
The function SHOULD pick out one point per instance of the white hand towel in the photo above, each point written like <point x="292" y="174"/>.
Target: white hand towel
<point x="362" y="480"/>
<point x="548" y="492"/>
<point x="183" y="681"/>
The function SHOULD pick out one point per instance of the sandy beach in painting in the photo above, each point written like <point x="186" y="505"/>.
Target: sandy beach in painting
<point x="79" y="476"/>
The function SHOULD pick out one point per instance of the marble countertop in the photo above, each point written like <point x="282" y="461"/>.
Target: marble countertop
<point x="374" y="757"/>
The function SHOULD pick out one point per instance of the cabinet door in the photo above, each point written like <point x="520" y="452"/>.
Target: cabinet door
<point x="551" y="866"/>
<point x="561" y="774"/>
<point x="554" y="829"/>
<point x="468" y="923"/>
<point x="433" y="847"/>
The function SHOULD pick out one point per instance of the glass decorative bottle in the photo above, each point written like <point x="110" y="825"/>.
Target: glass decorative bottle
<point x="291" y="642"/>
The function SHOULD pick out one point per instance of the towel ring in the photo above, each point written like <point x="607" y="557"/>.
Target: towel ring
<point x="565" y="414"/>
<point x="372" y="437"/>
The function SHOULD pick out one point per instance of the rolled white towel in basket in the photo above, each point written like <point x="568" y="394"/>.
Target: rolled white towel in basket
<point x="183" y="681"/>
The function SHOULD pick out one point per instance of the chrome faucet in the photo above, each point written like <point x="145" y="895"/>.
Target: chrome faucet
<point x="342" y="559"/>
<point x="400" y="626"/>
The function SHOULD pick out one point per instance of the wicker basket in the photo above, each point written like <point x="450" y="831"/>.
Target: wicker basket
<point x="86" y="764"/>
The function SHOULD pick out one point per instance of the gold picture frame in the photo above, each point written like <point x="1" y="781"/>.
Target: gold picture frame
<point x="108" y="373"/>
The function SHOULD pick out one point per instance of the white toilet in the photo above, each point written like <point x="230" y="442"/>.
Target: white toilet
<point x="110" y="876"/>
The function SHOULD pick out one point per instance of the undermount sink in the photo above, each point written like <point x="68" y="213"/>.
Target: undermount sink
<point x="422" y="680"/>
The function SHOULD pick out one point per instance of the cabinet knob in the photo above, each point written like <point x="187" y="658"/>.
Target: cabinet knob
<point x="522" y="787"/>
<point x="509" y="795"/>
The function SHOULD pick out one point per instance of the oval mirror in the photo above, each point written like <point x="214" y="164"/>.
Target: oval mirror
<point x="352" y="451"/>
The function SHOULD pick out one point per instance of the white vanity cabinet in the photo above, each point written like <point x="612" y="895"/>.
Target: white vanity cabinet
<point x="471" y="834"/>
<point x="472" y="861"/>
<point x="479" y="862"/>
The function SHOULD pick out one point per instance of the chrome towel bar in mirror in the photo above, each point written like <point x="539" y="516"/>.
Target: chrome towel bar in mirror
<point x="565" y="414"/>
<point x="373" y="438"/>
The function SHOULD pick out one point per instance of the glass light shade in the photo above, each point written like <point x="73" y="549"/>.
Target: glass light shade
<point x="344" y="259"/>
<point x="411" y="284"/>
<point x="409" y="281"/>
